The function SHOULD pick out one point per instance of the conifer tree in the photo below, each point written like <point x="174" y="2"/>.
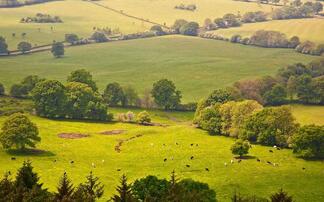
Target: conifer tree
<point x="65" y="189"/>
<point x="124" y="192"/>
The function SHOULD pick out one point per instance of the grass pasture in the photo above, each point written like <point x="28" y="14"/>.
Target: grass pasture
<point x="80" y="17"/>
<point x="311" y="29"/>
<point x="144" y="155"/>
<point x="197" y="66"/>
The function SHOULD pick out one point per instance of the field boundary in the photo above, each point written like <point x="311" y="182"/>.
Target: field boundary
<point x="128" y="15"/>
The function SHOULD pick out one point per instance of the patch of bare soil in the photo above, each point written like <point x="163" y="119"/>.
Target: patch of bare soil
<point x="72" y="135"/>
<point x="113" y="132"/>
<point x="120" y="142"/>
<point x="155" y="124"/>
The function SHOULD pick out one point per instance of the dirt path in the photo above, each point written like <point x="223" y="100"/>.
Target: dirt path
<point x="121" y="142"/>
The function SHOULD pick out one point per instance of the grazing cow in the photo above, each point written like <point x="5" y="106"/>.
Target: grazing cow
<point x="191" y="144"/>
<point x="275" y="146"/>
<point x="278" y="148"/>
<point x="9" y="173"/>
<point x="54" y="161"/>
<point x="103" y="161"/>
<point x="225" y="164"/>
<point x="13" y="158"/>
<point x="163" y="144"/>
<point x="118" y="169"/>
<point x="188" y="166"/>
<point x="239" y="161"/>
<point x="275" y="164"/>
<point x="93" y="165"/>
<point x="268" y="162"/>
<point x="197" y="145"/>
<point x="232" y="161"/>
<point x="304" y="168"/>
<point x="192" y="157"/>
<point x="165" y="159"/>
<point x="177" y="143"/>
<point x="258" y="160"/>
<point x="71" y="162"/>
<point x="207" y="169"/>
<point x="270" y="151"/>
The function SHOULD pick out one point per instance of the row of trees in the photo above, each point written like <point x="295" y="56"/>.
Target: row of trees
<point x="220" y="114"/>
<point x="294" y="83"/>
<point x="27" y="187"/>
<point x="297" y="10"/>
<point x="42" y="18"/>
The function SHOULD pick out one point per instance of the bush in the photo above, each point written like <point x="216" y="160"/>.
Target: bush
<point x="143" y="118"/>
<point x="2" y="89"/>
<point x="271" y="126"/>
<point x="308" y="142"/>
<point x="3" y="45"/>
<point x="18" y="91"/>
<point x="210" y="119"/>
<point x="306" y="47"/>
<point x="240" y="147"/>
<point x="236" y="38"/>
<point x="150" y="187"/>
<point x="190" y="28"/>
<point x="269" y="39"/>
<point x="71" y="38"/>
<point x="294" y="42"/>
<point x="19" y="131"/>
<point x="99" y="37"/>
<point x="157" y="30"/>
<point x="57" y="49"/>
<point x="24" y="46"/>
<point x="178" y="24"/>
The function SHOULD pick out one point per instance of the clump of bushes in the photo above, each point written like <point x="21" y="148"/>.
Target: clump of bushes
<point x="42" y="18"/>
<point x="128" y="117"/>
<point x="228" y="20"/>
<point x="250" y="17"/>
<point x="190" y="7"/>
<point x="143" y="118"/>
<point x="269" y="39"/>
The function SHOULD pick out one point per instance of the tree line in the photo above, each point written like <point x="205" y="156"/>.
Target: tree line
<point x="26" y="186"/>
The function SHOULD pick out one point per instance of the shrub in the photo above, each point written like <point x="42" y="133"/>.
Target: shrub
<point x="306" y="47"/>
<point x="19" y="131"/>
<point x="236" y="38"/>
<point x="24" y="46"/>
<point x="271" y="126"/>
<point x="308" y="142"/>
<point x="18" y="91"/>
<point x="294" y="42"/>
<point x="240" y="147"/>
<point x="3" y="45"/>
<point x="270" y="39"/>
<point x="57" y="49"/>
<point x="71" y="38"/>
<point x="143" y="118"/>
<point x="165" y="94"/>
<point x="190" y="28"/>
<point x="178" y="24"/>
<point x="99" y="37"/>
<point x="157" y="30"/>
<point x="210" y="119"/>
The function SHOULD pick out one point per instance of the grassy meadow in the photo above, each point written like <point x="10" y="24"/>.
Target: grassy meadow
<point x="80" y="17"/>
<point x="144" y="155"/>
<point x="163" y="11"/>
<point x="197" y="66"/>
<point x="311" y="29"/>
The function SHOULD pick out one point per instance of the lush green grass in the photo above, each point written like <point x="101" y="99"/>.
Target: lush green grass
<point x="144" y="156"/>
<point x="197" y="66"/>
<point x="306" y="29"/>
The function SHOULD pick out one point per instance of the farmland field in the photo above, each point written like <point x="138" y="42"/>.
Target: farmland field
<point x="305" y="29"/>
<point x="144" y="156"/>
<point x="207" y="64"/>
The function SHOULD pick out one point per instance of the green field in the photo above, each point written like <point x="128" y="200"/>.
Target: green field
<point x="197" y="66"/>
<point x="144" y="155"/>
<point x="80" y="17"/>
<point x="306" y="29"/>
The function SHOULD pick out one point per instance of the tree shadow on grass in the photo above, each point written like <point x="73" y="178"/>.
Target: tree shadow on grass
<point x="30" y="152"/>
<point x="245" y="157"/>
